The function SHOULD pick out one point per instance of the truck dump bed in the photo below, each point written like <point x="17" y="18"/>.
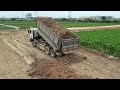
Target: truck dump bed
<point x="56" y="35"/>
<point x="57" y="28"/>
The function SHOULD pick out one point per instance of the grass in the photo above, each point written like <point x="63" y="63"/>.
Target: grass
<point x="21" y="24"/>
<point x="107" y="41"/>
<point x="31" y="23"/>
<point x="6" y="28"/>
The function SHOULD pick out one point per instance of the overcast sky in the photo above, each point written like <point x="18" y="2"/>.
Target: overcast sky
<point x="57" y="14"/>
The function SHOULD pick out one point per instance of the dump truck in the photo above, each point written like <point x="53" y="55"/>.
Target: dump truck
<point x="53" y="38"/>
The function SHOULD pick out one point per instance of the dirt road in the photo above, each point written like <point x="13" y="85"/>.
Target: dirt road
<point x="97" y="65"/>
<point x="77" y="29"/>
<point x="17" y="54"/>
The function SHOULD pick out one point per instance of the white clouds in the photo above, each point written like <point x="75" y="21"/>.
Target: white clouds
<point x="59" y="13"/>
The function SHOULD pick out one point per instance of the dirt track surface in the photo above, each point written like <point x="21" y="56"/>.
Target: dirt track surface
<point x="18" y="59"/>
<point x="77" y="29"/>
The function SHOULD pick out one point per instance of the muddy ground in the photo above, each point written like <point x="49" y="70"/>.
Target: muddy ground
<point x="19" y="60"/>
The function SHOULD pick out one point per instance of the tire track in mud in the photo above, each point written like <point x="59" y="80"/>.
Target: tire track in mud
<point x="14" y="48"/>
<point x="13" y="65"/>
<point x="26" y="57"/>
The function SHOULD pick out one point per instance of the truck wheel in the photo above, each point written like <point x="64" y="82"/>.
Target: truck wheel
<point x="52" y="53"/>
<point x="47" y="50"/>
<point x="59" y="54"/>
<point x="34" y="44"/>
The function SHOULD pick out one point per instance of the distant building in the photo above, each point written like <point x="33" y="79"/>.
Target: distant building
<point x="101" y="17"/>
<point x="83" y="18"/>
<point x="96" y="18"/>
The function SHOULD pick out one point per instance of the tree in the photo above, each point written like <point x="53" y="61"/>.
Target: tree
<point x="13" y="19"/>
<point x="103" y="18"/>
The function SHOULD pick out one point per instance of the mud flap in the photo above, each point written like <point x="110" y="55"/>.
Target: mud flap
<point x="34" y="44"/>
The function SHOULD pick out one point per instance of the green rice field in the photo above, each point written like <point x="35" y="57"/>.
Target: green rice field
<point x="107" y="41"/>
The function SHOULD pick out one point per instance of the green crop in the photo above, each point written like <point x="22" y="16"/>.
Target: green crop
<point x="107" y="41"/>
<point x="25" y="24"/>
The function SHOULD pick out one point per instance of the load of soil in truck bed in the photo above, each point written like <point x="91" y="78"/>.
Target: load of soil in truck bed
<point x="56" y="28"/>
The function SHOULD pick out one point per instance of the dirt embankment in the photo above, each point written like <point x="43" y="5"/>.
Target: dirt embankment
<point x="50" y="69"/>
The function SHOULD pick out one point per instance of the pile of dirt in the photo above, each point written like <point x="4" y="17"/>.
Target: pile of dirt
<point x="50" y="69"/>
<point x="56" y="27"/>
<point x="71" y="58"/>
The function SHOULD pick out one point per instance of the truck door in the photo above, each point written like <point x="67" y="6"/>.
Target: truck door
<point x="31" y="34"/>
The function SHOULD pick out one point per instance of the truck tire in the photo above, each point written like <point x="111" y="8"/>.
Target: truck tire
<point x="34" y="44"/>
<point x="52" y="53"/>
<point x="47" y="50"/>
<point x="59" y="54"/>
